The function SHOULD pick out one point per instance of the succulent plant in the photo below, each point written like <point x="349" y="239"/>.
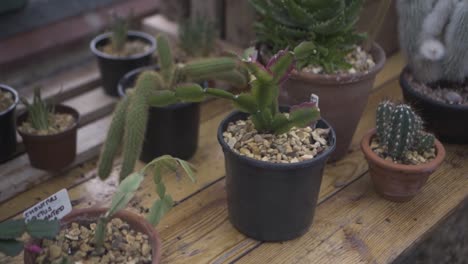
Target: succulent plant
<point x="197" y="37"/>
<point x="433" y="35"/>
<point x="129" y="121"/>
<point x="119" y="32"/>
<point x="12" y="230"/>
<point x="400" y="129"/>
<point x="326" y="26"/>
<point x="38" y="111"/>
<point x="127" y="188"/>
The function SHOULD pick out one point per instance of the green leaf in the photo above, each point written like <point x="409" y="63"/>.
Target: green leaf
<point x="162" y="98"/>
<point x="161" y="189"/>
<point x="188" y="168"/>
<point x="282" y="66"/>
<point x="165" y="57"/>
<point x="190" y="93"/>
<point x="157" y="174"/>
<point x="11" y="247"/>
<point x="245" y="103"/>
<point x="159" y="209"/>
<point x="11" y="229"/>
<point x="43" y="228"/>
<point x="304" y="116"/>
<point x="125" y="193"/>
<point x="220" y="93"/>
<point x="280" y="124"/>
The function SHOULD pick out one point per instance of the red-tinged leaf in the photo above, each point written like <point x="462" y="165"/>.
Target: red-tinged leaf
<point x="281" y="65"/>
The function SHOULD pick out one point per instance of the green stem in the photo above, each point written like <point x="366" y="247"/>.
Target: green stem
<point x="100" y="234"/>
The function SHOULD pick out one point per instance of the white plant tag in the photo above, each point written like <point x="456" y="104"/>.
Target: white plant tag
<point x="54" y="207"/>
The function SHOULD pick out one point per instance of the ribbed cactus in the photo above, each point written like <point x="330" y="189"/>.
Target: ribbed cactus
<point x="130" y="118"/>
<point x="399" y="129"/>
<point x="197" y="37"/>
<point x="434" y="37"/>
<point x="119" y="32"/>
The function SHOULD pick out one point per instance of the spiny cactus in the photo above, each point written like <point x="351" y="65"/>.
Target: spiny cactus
<point x="38" y="110"/>
<point x="130" y="118"/>
<point x="327" y="25"/>
<point x="197" y="37"/>
<point x="399" y="129"/>
<point x="119" y="32"/>
<point x="434" y="37"/>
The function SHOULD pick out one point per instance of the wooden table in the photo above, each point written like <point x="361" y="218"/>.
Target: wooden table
<point x="352" y="224"/>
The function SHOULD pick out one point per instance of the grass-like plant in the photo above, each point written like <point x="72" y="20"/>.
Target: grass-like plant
<point x="119" y="31"/>
<point x="38" y="110"/>
<point x="197" y="37"/>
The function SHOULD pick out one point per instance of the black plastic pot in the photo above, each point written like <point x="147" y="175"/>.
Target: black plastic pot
<point x="448" y="122"/>
<point x="8" y="127"/>
<point x="113" y="68"/>
<point x="269" y="201"/>
<point x="171" y="130"/>
<point x="51" y="152"/>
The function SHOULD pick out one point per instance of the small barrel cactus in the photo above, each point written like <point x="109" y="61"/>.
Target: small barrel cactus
<point x="399" y="130"/>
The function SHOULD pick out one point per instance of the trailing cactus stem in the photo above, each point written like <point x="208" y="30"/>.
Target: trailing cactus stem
<point x="207" y="68"/>
<point x="113" y="140"/>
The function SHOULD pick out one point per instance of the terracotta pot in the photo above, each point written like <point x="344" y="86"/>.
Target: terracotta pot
<point x="448" y="122"/>
<point x="52" y="152"/>
<point x="90" y="215"/>
<point x="398" y="182"/>
<point x="342" y="97"/>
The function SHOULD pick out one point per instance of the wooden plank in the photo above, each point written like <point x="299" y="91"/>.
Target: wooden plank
<point x="357" y="226"/>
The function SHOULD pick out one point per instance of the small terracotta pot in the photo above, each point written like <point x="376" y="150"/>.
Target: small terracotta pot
<point x="90" y="215"/>
<point x="342" y="97"/>
<point x="398" y="182"/>
<point x="52" y="152"/>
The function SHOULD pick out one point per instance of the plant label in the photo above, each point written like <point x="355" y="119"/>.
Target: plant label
<point x="53" y="207"/>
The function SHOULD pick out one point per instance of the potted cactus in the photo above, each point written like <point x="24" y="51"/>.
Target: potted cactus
<point x="332" y="60"/>
<point x="197" y="38"/>
<point x="433" y="38"/>
<point x="401" y="155"/>
<point x="8" y="101"/>
<point x="121" y="51"/>
<point x="48" y="132"/>
<point x="274" y="156"/>
<point x="113" y="235"/>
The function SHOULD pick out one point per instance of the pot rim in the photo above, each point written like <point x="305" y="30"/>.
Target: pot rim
<point x="405" y="85"/>
<point x="131" y="33"/>
<point x="371" y="156"/>
<point x="344" y="78"/>
<point x="82" y="214"/>
<point x="121" y="85"/>
<point x="15" y="94"/>
<point x="278" y="166"/>
<point x="72" y="111"/>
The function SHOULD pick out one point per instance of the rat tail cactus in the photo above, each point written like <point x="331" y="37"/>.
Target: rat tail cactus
<point x="399" y="130"/>
<point x="433" y="35"/>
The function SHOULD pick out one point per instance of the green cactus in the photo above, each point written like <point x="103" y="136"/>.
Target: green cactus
<point x="197" y="37"/>
<point x="119" y="32"/>
<point x="399" y="130"/>
<point x="160" y="86"/>
<point x="39" y="110"/>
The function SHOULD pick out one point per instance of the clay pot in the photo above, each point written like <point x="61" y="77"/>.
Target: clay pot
<point x="272" y="201"/>
<point x="112" y="68"/>
<point x="91" y="215"/>
<point x="8" y="127"/>
<point x="51" y="152"/>
<point x="398" y="182"/>
<point x="448" y="122"/>
<point x="342" y="97"/>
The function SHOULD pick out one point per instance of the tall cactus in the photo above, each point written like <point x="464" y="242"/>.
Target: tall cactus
<point x="434" y="37"/>
<point x="399" y="129"/>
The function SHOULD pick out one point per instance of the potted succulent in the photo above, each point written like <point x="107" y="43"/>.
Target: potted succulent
<point x="331" y="62"/>
<point x="12" y="231"/>
<point x="48" y="132"/>
<point x="401" y="155"/>
<point x="432" y="36"/>
<point x="130" y="120"/>
<point x="113" y="235"/>
<point x="121" y="51"/>
<point x="274" y="156"/>
<point x="180" y="121"/>
<point x="8" y="101"/>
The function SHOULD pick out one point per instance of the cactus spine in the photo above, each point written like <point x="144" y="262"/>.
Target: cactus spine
<point x="399" y="129"/>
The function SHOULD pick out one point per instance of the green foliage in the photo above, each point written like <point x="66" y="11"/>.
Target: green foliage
<point x="158" y="89"/>
<point x="197" y="37"/>
<point x="327" y="25"/>
<point x="38" y="111"/>
<point x="12" y="230"/>
<point x="128" y="186"/>
<point x="119" y="32"/>
<point x="399" y="130"/>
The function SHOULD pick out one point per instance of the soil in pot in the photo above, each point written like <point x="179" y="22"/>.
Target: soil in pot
<point x="273" y="200"/>
<point x="412" y="157"/>
<point x="343" y="96"/>
<point x="131" y="47"/>
<point x="122" y="245"/>
<point x="55" y="148"/>
<point x="8" y="101"/>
